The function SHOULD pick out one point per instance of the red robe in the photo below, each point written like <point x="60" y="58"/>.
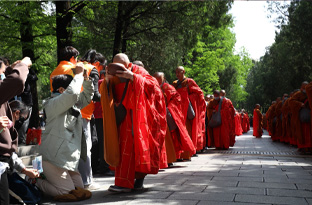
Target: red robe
<point x="300" y="131"/>
<point x="257" y="123"/>
<point x="191" y="92"/>
<point x="180" y="136"/>
<point x="238" y="124"/>
<point x="286" y="128"/>
<point x="221" y="134"/>
<point x="232" y="121"/>
<point x="142" y="133"/>
<point x="244" y="122"/>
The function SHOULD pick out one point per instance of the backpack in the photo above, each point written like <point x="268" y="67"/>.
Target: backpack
<point x="22" y="192"/>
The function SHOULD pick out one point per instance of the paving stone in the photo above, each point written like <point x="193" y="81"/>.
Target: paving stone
<point x="203" y="196"/>
<point x="223" y="203"/>
<point x="211" y="183"/>
<point x="248" y="179"/>
<point x="269" y="199"/>
<point x="267" y="185"/>
<point x="235" y="190"/>
<point x="177" y="188"/>
<point x="289" y="192"/>
<point x="163" y="201"/>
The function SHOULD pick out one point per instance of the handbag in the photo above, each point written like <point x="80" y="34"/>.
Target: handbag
<point x="305" y="115"/>
<point x="215" y="120"/>
<point x="170" y="121"/>
<point x="33" y="136"/>
<point x="120" y="110"/>
<point x="190" y="112"/>
<point x="22" y="192"/>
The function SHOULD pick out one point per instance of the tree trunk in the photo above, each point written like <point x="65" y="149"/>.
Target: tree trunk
<point x="27" y="41"/>
<point x="63" y="26"/>
<point x="118" y="29"/>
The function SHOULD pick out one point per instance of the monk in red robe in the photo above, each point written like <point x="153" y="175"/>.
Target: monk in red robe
<point x="142" y="131"/>
<point x="257" y="122"/>
<point x="176" y="129"/>
<point x="244" y="121"/>
<point x="300" y="130"/>
<point x="238" y="124"/>
<point x="285" y="118"/>
<point x="270" y="114"/>
<point x="308" y="89"/>
<point x="278" y="117"/>
<point x="221" y="134"/>
<point x="231" y="115"/>
<point x="193" y="107"/>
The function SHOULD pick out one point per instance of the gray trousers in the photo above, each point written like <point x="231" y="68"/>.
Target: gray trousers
<point x="84" y="167"/>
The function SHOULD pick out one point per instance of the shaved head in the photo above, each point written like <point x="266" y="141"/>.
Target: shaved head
<point x="122" y="59"/>
<point x="180" y="68"/>
<point x="180" y="73"/>
<point x="139" y="63"/>
<point x="222" y="92"/>
<point x="160" y="77"/>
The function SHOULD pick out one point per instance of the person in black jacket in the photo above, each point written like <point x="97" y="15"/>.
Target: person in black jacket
<point x="11" y="86"/>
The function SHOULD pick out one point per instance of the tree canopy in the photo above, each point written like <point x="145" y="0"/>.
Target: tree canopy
<point x="162" y="34"/>
<point x="287" y="63"/>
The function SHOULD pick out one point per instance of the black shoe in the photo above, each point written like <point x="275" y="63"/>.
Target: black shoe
<point x="179" y="160"/>
<point x="195" y="155"/>
<point x="119" y="189"/>
<point x="108" y="173"/>
<point x="138" y="185"/>
<point x="170" y="164"/>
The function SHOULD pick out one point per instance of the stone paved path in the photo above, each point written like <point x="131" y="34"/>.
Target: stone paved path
<point x="270" y="173"/>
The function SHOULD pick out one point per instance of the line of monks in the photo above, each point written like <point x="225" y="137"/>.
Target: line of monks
<point x="148" y="123"/>
<point x="288" y="119"/>
<point x="164" y="123"/>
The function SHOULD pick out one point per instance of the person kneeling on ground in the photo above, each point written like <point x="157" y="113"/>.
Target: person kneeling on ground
<point x="63" y="141"/>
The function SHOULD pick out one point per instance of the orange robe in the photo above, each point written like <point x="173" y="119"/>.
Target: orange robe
<point x="278" y="126"/>
<point x="142" y="133"/>
<point x="270" y="117"/>
<point x="238" y="124"/>
<point x="221" y="134"/>
<point x="257" y="123"/>
<point x="191" y="93"/>
<point x="63" y="68"/>
<point x="309" y="94"/>
<point x="286" y="128"/>
<point x="300" y="131"/>
<point x="180" y="136"/>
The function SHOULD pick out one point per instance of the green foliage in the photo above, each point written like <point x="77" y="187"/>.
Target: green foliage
<point x="287" y="63"/>
<point x="162" y="34"/>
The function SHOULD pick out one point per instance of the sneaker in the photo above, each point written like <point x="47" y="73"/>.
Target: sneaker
<point x="92" y="187"/>
<point x="118" y="189"/>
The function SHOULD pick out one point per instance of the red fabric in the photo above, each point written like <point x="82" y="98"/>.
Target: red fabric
<point x="98" y="113"/>
<point x="231" y="121"/>
<point x="238" y="125"/>
<point x="257" y="121"/>
<point x="221" y="134"/>
<point x="244" y="123"/>
<point x="146" y="111"/>
<point x="191" y="92"/>
<point x="306" y="134"/>
<point x="181" y="138"/>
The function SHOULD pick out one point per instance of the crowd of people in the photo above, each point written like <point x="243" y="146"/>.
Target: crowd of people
<point x="288" y="119"/>
<point x="113" y="119"/>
